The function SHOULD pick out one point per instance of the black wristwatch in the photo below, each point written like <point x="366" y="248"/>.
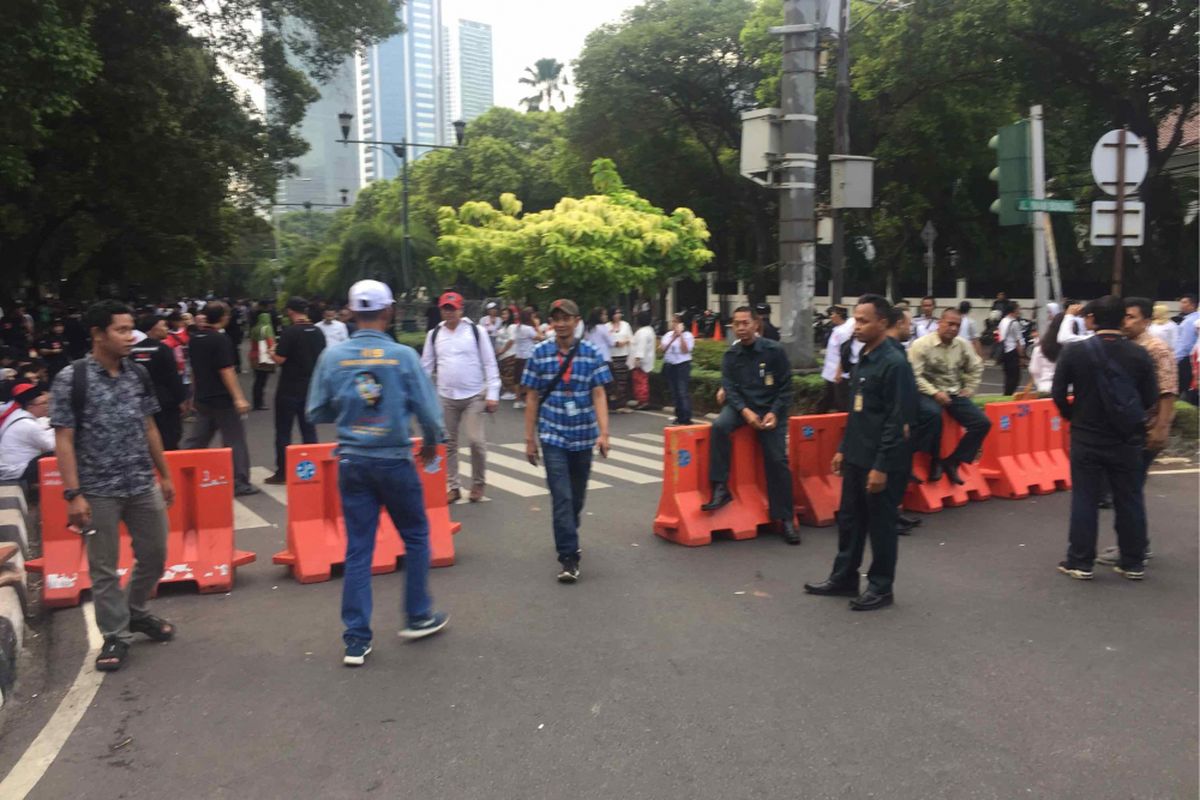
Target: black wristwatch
<point x="71" y="494"/>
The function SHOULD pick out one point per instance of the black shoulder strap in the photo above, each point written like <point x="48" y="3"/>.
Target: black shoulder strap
<point x="562" y="370"/>
<point x="478" y="348"/>
<point x="78" y="391"/>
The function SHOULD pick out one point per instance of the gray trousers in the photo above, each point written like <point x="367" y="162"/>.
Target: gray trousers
<point x="466" y="417"/>
<point x="233" y="435"/>
<point x="145" y="515"/>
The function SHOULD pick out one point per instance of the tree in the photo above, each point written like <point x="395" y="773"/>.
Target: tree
<point x="590" y="249"/>
<point x="547" y="78"/>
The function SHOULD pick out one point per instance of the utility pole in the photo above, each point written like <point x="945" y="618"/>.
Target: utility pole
<point x="841" y="145"/>
<point x="797" y="168"/>
<point x="1037" y="165"/>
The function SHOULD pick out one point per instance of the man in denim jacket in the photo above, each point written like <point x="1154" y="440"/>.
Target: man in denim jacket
<point x="370" y="386"/>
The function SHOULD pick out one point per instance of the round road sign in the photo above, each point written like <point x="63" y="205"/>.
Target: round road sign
<point x="1105" y="162"/>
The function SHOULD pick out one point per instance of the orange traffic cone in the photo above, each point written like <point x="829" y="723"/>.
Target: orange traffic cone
<point x="717" y="335"/>
<point x="695" y="330"/>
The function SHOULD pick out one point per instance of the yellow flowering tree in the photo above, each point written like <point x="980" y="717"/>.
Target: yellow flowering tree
<point x="590" y="249"/>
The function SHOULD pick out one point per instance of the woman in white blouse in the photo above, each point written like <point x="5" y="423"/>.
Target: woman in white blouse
<point x="622" y="337"/>
<point x="525" y="336"/>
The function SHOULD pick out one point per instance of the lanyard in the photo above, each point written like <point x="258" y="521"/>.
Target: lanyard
<point x="566" y="378"/>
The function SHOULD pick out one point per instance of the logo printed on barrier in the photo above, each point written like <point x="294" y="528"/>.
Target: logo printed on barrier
<point x="685" y="458"/>
<point x="807" y="430"/>
<point x="1023" y="410"/>
<point x="1055" y="423"/>
<point x="1005" y="422"/>
<point x="207" y="481"/>
<point x="305" y="470"/>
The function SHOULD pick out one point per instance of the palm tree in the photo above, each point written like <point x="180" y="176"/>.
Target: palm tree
<point x="548" y="78"/>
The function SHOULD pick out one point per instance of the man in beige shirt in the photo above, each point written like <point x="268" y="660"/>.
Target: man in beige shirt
<point x="948" y="372"/>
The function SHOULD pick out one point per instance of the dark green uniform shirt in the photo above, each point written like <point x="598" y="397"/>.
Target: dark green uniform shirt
<point x="881" y="393"/>
<point x="758" y="378"/>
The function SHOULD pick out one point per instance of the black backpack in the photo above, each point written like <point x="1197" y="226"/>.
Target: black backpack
<point x="1118" y="393"/>
<point x="79" y="387"/>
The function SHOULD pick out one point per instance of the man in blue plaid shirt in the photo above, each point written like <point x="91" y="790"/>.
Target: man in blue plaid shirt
<point x="567" y="405"/>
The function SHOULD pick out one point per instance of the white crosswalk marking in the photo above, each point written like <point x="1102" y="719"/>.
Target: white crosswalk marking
<point x="620" y="443"/>
<point x="607" y="469"/>
<point x="525" y="468"/>
<point x="649" y="437"/>
<point x="637" y="461"/>
<point x="260" y="474"/>
<point x="244" y="518"/>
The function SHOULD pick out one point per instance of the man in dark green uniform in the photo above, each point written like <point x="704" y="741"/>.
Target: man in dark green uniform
<point x="874" y="461"/>
<point x="757" y="382"/>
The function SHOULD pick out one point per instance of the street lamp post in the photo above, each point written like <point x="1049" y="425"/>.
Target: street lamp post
<point x="400" y="150"/>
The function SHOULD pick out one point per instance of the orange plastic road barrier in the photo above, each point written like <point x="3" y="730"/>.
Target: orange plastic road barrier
<point x="927" y="497"/>
<point x="686" y="488"/>
<point x="316" y="530"/>
<point x="1026" y="449"/>
<point x="813" y="440"/>
<point x="199" y="537"/>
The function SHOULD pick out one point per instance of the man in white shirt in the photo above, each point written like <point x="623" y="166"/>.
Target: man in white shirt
<point x="334" y="329"/>
<point x="458" y="356"/>
<point x="1073" y="328"/>
<point x="491" y="322"/>
<point x="925" y="322"/>
<point x="25" y="433"/>
<point x="969" y="330"/>
<point x="677" y="345"/>
<point x="834" y="398"/>
<point x="1012" y="343"/>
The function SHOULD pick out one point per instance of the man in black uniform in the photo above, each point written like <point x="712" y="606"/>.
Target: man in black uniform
<point x="159" y="361"/>
<point x="766" y="329"/>
<point x="299" y="346"/>
<point x="757" y="382"/>
<point x="874" y="461"/>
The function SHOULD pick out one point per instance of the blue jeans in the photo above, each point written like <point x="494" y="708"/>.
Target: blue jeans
<point x="567" y="474"/>
<point x="366" y="484"/>
<point x="679" y="382"/>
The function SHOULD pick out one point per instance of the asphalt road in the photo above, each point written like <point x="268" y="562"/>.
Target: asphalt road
<point x="666" y="671"/>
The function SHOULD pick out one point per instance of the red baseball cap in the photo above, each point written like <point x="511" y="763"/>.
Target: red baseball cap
<point x="451" y="299"/>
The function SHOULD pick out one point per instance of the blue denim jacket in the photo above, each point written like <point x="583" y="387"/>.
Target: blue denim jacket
<point x="370" y="386"/>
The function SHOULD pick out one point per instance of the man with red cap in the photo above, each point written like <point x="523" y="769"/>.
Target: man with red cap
<point x="459" y="358"/>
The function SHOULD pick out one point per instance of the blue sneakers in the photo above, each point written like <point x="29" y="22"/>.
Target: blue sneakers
<point x="427" y="626"/>
<point x="356" y="653"/>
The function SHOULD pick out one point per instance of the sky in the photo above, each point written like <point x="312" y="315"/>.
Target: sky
<point x="525" y="30"/>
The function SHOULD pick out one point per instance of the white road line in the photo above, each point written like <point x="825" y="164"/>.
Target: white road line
<point x="649" y="437"/>
<point x="504" y="483"/>
<point x="274" y="491"/>
<point x="641" y="447"/>
<point x="45" y="748"/>
<point x="245" y="519"/>
<point x="1174" y="471"/>
<point x="525" y="468"/>
<point x="654" y="465"/>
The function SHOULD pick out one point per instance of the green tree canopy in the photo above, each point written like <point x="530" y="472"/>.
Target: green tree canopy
<point x="590" y="249"/>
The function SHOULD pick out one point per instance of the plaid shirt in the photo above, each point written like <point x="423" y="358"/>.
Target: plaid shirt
<point x="557" y="426"/>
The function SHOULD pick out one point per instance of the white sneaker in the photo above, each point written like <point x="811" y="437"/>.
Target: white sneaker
<point x="508" y="396"/>
<point x="518" y="404"/>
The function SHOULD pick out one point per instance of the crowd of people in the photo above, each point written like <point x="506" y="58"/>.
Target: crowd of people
<point x="108" y="390"/>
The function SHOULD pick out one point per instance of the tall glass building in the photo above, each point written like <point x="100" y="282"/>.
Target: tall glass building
<point x="401" y="89"/>
<point x="474" y="68"/>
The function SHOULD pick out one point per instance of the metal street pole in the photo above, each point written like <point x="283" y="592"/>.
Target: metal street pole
<point x="797" y="170"/>
<point x="1119" y="244"/>
<point x="405" y="255"/>
<point x="841" y="145"/>
<point x="1037" y="163"/>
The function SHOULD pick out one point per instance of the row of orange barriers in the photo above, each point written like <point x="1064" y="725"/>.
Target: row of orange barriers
<point x="1025" y="452"/>
<point x="316" y="530"/>
<point x="200" y="546"/>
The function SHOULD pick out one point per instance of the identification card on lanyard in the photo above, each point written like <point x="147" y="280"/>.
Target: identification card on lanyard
<point x="569" y="406"/>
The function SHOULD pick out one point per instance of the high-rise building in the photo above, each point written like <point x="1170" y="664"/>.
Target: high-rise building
<point x="328" y="167"/>
<point x="450" y="111"/>
<point x="474" y="68"/>
<point x="400" y="89"/>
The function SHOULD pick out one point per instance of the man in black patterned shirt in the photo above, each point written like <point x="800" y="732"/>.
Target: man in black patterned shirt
<point x="102" y="410"/>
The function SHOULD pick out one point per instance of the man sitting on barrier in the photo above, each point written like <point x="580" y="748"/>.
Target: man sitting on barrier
<point x="757" y="382"/>
<point x="948" y="371"/>
<point x="874" y="461"/>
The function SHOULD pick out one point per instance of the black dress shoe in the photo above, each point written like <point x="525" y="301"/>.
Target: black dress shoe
<point x="788" y="530"/>
<point x="828" y="587"/>
<point x="935" y="471"/>
<point x="869" y="601"/>
<point x="914" y="479"/>
<point x="720" y="498"/>
<point x="951" y="470"/>
<point x="904" y="525"/>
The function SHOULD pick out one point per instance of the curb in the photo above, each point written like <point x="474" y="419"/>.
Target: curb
<point x="14" y="527"/>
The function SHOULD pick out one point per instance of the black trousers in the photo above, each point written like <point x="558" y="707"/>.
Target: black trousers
<point x="170" y="427"/>
<point x="287" y="409"/>
<point x="863" y="515"/>
<point x="774" y="449"/>
<point x="1011" y="361"/>
<point x="261" y="376"/>
<point x="1123" y="468"/>
<point x="1185" y="380"/>
<point x="927" y="438"/>
<point x="834" y="397"/>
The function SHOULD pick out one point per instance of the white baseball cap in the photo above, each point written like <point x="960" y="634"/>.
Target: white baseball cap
<point x="370" y="296"/>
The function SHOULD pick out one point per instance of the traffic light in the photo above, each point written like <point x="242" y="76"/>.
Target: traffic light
<point x="1012" y="172"/>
